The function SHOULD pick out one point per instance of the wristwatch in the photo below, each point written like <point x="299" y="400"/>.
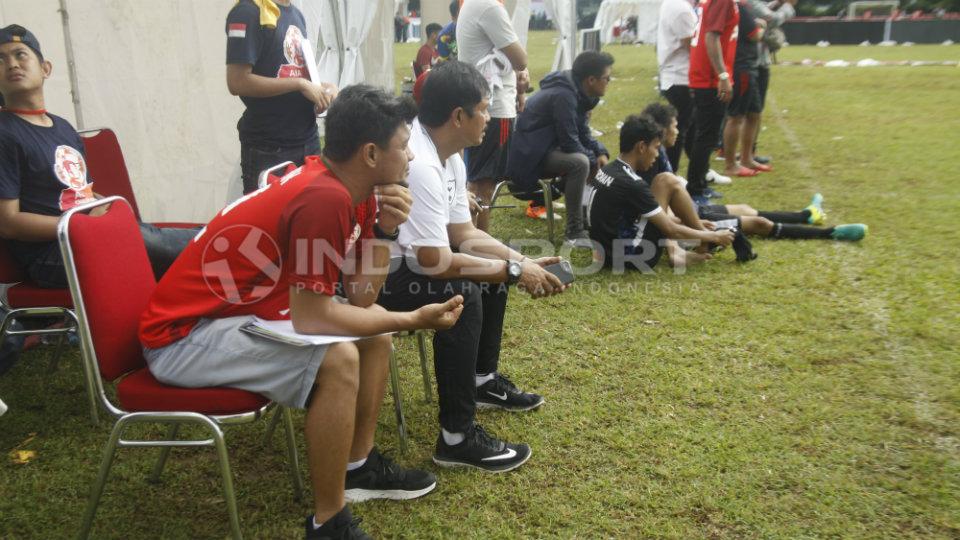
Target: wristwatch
<point x="379" y="233"/>
<point x="514" y="269"/>
<point x="724" y="76"/>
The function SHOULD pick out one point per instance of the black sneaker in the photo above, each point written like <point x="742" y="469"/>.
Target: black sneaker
<point x="381" y="478"/>
<point x="342" y="526"/>
<point x="481" y="451"/>
<point x="500" y="393"/>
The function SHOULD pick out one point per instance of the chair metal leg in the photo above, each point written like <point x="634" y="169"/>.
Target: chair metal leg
<point x="424" y="370"/>
<point x="397" y="404"/>
<point x="292" y="457"/>
<point x="272" y="426"/>
<point x="105" y="463"/>
<point x="55" y="360"/>
<point x="164" y="454"/>
<point x="228" y="492"/>
<point x="548" y="202"/>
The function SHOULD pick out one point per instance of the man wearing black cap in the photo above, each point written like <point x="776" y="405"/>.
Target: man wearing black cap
<point x="43" y="171"/>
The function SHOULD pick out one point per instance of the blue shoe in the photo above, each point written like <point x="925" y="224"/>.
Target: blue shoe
<point x="700" y="200"/>
<point x="711" y="194"/>
<point x="817" y="215"/>
<point x="850" y="232"/>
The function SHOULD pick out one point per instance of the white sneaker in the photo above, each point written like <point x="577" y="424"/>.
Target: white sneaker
<point x="717" y="178"/>
<point x="559" y="206"/>
<point x="3" y="407"/>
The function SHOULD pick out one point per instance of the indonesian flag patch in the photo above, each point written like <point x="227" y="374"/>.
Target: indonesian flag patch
<point x="237" y="30"/>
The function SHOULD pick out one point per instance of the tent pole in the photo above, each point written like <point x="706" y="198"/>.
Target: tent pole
<point x="71" y="65"/>
<point x="338" y="18"/>
<point x="573" y="31"/>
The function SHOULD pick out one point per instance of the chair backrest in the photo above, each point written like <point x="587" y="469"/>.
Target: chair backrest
<point x="111" y="281"/>
<point x="106" y="165"/>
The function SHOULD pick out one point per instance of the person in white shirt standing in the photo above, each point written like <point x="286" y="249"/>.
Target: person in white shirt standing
<point x="678" y="22"/>
<point x="440" y="254"/>
<point x="487" y="41"/>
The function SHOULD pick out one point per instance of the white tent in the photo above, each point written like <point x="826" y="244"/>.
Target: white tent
<point x="564" y="15"/>
<point x="613" y="12"/>
<point x="156" y="76"/>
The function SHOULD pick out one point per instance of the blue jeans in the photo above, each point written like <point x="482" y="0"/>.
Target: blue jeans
<point x="163" y="247"/>
<point x="255" y="158"/>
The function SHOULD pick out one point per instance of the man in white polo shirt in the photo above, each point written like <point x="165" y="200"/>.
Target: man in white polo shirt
<point x="440" y="253"/>
<point x="678" y="21"/>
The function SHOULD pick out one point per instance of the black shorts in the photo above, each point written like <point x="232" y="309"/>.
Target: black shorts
<point x="717" y="213"/>
<point x="489" y="158"/>
<point x="763" y="83"/>
<point x="746" y="94"/>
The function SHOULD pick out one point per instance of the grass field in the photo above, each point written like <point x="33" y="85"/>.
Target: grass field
<point x="812" y="393"/>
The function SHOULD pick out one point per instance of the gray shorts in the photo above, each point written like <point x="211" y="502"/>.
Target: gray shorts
<point x="217" y="353"/>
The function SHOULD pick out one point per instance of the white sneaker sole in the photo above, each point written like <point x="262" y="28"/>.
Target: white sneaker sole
<point x="484" y="405"/>
<point x="360" y="495"/>
<point x="453" y="464"/>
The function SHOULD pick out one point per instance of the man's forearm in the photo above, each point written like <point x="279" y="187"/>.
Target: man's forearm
<point x="348" y="320"/>
<point x="480" y="244"/>
<point x="715" y="52"/>
<point x="28" y="227"/>
<point x="363" y="287"/>
<point x="257" y="86"/>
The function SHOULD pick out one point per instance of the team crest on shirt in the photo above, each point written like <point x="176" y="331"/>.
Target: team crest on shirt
<point x="451" y="191"/>
<point x="71" y="169"/>
<point x="352" y="239"/>
<point x="293" y="52"/>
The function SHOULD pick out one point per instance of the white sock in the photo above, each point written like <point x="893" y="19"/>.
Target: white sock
<point x="315" y="524"/>
<point x="354" y="465"/>
<point x="482" y="379"/>
<point x="452" y="438"/>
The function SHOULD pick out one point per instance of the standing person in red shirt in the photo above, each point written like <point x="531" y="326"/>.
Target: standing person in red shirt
<point x="314" y="248"/>
<point x="427" y="56"/>
<point x="712" y="52"/>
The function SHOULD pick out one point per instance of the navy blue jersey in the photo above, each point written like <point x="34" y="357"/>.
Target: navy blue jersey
<point x="661" y="165"/>
<point x="43" y="167"/>
<point x="284" y="120"/>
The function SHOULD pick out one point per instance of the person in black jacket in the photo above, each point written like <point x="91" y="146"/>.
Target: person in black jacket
<point x="552" y="136"/>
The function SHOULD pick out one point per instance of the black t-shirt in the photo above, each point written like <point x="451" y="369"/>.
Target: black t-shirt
<point x="748" y="50"/>
<point x="45" y="168"/>
<point x="661" y="165"/>
<point x="616" y="200"/>
<point x="285" y="120"/>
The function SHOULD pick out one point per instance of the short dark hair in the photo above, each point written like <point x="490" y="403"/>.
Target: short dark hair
<point x="450" y="85"/>
<point x="661" y="113"/>
<point x="363" y="114"/>
<point x="638" y="128"/>
<point x="455" y="9"/>
<point x="433" y="28"/>
<point x="590" y="64"/>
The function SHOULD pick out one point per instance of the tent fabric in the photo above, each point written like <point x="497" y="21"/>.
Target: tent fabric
<point x="521" y="20"/>
<point x="613" y="12"/>
<point x="322" y="29"/>
<point x="157" y="78"/>
<point x="561" y="13"/>
<point x="358" y="19"/>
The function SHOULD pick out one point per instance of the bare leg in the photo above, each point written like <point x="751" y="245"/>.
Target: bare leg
<point x="731" y="134"/>
<point x="741" y="210"/>
<point x="749" y="136"/>
<point x="671" y="193"/>
<point x="483" y="189"/>
<point x="758" y="226"/>
<point x="329" y="427"/>
<point x="374" y="365"/>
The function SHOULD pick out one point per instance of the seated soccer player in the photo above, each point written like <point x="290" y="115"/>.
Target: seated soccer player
<point x="280" y="253"/>
<point x="43" y="172"/>
<point x="628" y="218"/>
<point x="772" y="224"/>
<point x="427" y="56"/>
<point x="441" y="253"/>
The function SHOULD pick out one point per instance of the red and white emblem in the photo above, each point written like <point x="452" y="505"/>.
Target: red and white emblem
<point x="237" y="30"/>
<point x="293" y="52"/>
<point x="71" y="170"/>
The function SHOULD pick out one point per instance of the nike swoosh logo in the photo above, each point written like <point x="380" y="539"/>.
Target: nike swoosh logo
<point x="498" y="396"/>
<point x="511" y="453"/>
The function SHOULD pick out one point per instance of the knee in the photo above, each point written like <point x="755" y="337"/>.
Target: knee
<point x="757" y="225"/>
<point x="669" y="180"/>
<point x="741" y="210"/>
<point x="341" y="366"/>
<point x="580" y="163"/>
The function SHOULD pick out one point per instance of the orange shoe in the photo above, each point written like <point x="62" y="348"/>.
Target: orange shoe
<point x="536" y="212"/>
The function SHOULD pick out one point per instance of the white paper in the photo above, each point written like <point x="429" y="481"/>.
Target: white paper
<point x="285" y="329"/>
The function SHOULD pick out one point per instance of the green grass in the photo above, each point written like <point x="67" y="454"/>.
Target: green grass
<point x="812" y="393"/>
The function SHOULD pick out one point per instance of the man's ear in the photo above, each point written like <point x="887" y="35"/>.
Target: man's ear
<point x="47" y="68"/>
<point x="457" y="116"/>
<point x="370" y="154"/>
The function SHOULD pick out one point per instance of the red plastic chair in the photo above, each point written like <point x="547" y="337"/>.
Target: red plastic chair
<point x="22" y="299"/>
<point x="111" y="283"/>
<point x="108" y="169"/>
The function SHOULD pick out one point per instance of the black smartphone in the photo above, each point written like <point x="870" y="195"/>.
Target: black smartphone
<point x="562" y="270"/>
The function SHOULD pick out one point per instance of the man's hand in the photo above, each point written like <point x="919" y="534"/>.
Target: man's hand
<point x="321" y="95"/>
<point x="536" y="281"/>
<point x="723" y="237"/>
<point x="523" y="82"/>
<point x="440" y="316"/>
<point x="725" y="91"/>
<point x="708" y="225"/>
<point x="475" y="206"/>
<point x="521" y="102"/>
<point x="602" y="161"/>
<point x="395" y="201"/>
<point x="100" y="210"/>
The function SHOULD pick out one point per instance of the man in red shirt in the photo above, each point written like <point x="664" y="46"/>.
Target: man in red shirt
<point x="427" y="56"/>
<point x="712" y="51"/>
<point x="285" y="252"/>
